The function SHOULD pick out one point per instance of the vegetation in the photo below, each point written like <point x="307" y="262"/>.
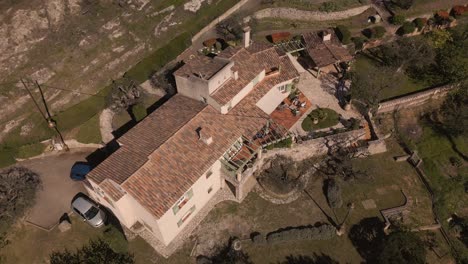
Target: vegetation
<point x="28" y="151"/>
<point x="419" y="23"/>
<point x="90" y="132"/>
<point x="323" y="232"/>
<point x="359" y="42"/>
<point x="404" y="4"/>
<point x="398" y="19"/>
<point x="230" y="29"/>
<point x="454" y="113"/>
<point x="367" y="237"/>
<point x="328" y="7"/>
<point x="96" y="252"/>
<point x="18" y="186"/>
<point x="139" y="112"/>
<point x="285" y="143"/>
<point x="324" y="117"/>
<point x="333" y="193"/>
<point x="403" y="247"/>
<point x="375" y="32"/>
<point x="226" y="254"/>
<point x="406" y="28"/>
<point x="343" y="34"/>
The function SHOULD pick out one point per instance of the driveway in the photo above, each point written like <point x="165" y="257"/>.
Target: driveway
<point x="53" y="200"/>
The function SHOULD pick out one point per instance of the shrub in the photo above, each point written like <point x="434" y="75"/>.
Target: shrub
<point x="375" y="32"/>
<point x="379" y="31"/>
<point x="323" y="232"/>
<point x="398" y="19"/>
<point x="455" y="161"/>
<point x="139" y="112"/>
<point x="334" y="194"/>
<point x="420" y="23"/>
<point x="359" y="42"/>
<point x="328" y="7"/>
<point x="407" y="28"/>
<point x="343" y="34"/>
<point x="285" y="143"/>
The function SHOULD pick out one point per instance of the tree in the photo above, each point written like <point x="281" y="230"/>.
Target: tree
<point x="406" y="52"/>
<point x="403" y="247"/>
<point x="96" y="252"/>
<point x="18" y="186"/>
<point x="420" y="23"/>
<point x="367" y="237"/>
<point x="439" y="37"/>
<point x="343" y="34"/>
<point x="314" y="259"/>
<point x="369" y="85"/>
<point x="125" y="93"/>
<point x="452" y="62"/>
<point x="230" y="29"/>
<point x="454" y="112"/>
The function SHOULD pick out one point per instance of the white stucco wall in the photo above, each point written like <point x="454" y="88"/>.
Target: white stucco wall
<point x="168" y="222"/>
<point x="220" y="77"/>
<point x="272" y="99"/>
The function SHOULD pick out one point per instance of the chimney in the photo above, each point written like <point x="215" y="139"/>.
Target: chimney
<point x="326" y="36"/>
<point x="201" y="136"/>
<point x="246" y="36"/>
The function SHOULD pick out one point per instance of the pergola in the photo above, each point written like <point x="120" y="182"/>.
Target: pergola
<point x="291" y="46"/>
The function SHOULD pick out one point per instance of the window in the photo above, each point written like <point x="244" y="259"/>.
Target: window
<point x="182" y="201"/>
<point x="285" y="88"/>
<point x="210" y="189"/>
<point x="209" y="173"/>
<point x="186" y="216"/>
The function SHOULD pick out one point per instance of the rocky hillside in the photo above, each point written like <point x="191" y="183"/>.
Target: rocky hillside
<point x="80" y="45"/>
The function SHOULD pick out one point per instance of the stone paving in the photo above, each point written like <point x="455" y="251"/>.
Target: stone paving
<point x="314" y="89"/>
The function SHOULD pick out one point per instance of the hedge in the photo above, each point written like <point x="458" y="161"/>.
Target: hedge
<point x="420" y="23"/>
<point x="139" y="112"/>
<point x="334" y="194"/>
<point x="323" y="232"/>
<point x="359" y="42"/>
<point x="407" y="28"/>
<point x="343" y="34"/>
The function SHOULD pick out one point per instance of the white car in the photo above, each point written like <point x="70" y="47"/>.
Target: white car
<point x="89" y="211"/>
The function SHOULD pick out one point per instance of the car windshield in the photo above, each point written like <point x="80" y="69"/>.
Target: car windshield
<point x="91" y="213"/>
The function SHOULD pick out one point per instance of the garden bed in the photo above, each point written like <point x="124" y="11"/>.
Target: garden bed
<point x="325" y="117"/>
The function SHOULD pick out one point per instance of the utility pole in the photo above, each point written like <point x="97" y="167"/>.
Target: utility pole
<point x="50" y="122"/>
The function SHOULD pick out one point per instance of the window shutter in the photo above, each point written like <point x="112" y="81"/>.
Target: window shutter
<point x="175" y="209"/>
<point x="189" y="194"/>
<point x="179" y="223"/>
<point x="289" y="87"/>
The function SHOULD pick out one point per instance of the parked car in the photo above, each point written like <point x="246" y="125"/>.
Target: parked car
<point x="89" y="211"/>
<point x="79" y="170"/>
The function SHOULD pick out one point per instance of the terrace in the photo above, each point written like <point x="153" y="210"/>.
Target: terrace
<point x="291" y="110"/>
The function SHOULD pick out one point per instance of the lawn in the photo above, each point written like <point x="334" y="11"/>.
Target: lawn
<point x="406" y="85"/>
<point x="313" y="5"/>
<point x="89" y="131"/>
<point x="428" y="6"/>
<point x="326" y="117"/>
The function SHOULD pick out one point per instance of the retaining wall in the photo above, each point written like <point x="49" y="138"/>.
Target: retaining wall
<point x="297" y="14"/>
<point x="413" y="99"/>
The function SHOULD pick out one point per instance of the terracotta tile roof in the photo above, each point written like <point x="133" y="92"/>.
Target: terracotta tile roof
<point x="247" y="67"/>
<point x="140" y="141"/>
<point x="229" y="52"/>
<point x="324" y="53"/>
<point x="109" y="188"/>
<point x="175" y="166"/>
<point x="201" y="66"/>
<point x="174" y="158"/>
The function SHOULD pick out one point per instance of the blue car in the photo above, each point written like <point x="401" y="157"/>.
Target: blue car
<point x="79" y="171"/>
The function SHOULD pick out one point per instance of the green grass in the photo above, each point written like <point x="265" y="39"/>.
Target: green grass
<point x="28" y="151"/>
<point x="329" y="119"/>
<point x="314" y="5"/>
<point x="7" y="157"/>
<point x="407" y="85"/>
<point x="90" y="132"/>
<point x="285" y="143"/>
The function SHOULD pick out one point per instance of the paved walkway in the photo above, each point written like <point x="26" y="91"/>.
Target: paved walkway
<point x="320" y="93"/>
<point x="105" y="125"/>
<point x="53" y="200"/>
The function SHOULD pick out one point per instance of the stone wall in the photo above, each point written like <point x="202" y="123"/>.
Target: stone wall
<point x="316" y="147"/>
<point x="297" y="14"/>
<point x="413" y="99"/>
<point x="219" y="19"/>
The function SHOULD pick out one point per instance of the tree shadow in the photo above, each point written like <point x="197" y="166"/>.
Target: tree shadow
<point x="314" y="259"/>
<point x="329" y="218"/>
<point x="367" y="237"/>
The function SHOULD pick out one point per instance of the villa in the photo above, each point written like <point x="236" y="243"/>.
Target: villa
<point x="205" y="139"/>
